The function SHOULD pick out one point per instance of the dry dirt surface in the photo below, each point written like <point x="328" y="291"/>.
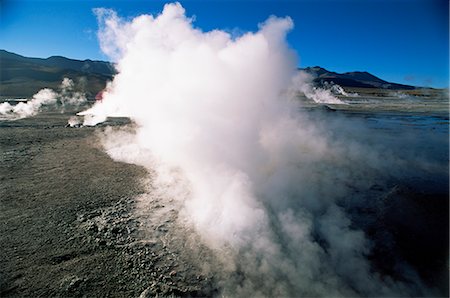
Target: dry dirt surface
<point x="67" y="224"/>
<point x="75" y="223"/>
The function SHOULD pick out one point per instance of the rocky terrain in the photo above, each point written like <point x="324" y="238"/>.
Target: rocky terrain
<point x="69" y="223"/>
<point x="75" y="223"/>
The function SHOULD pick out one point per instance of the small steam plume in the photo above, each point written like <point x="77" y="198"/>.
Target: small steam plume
<point x="75" y="121"/>
<point x="69" y="96"/>
<point x="338" y="90"/>
<point x="48" y="98"/>
<point x="302" y="82"/>
<point x="30" y="108"/>
<point x="262" y="184"/>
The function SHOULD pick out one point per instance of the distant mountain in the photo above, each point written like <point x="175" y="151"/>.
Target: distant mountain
<point x="356" y="79"/>
<point x="22" y="76"/>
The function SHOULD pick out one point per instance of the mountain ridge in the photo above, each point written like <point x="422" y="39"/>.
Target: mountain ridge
<point x="87" y="65"/>
<point x="355" y="79"/>
<point x="22" y="76"/>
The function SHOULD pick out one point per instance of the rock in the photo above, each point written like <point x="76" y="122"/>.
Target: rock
<point x="72" y="283"/>
<point x="146" y="293"/>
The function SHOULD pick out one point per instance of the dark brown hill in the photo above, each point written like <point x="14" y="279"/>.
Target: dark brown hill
<point x="355" y="79"/>
<point x="22" y="76"/>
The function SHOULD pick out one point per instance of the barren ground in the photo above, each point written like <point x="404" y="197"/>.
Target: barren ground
<point x="67" y="224"/>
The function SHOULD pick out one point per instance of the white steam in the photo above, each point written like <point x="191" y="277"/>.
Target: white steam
<point x="30" y="108"/>
<point x="338" y="90"/>
<point x="75" y="121"/>
<point x="66" y="97"/>
<point x="69" y="96"/>
<point x="216" y="119"/>
<point x="303" y="83"/>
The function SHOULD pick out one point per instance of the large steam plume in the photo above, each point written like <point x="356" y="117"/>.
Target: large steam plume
<point x="260" y="182"/>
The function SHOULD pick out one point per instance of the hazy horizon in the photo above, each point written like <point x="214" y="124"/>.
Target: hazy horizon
<point x="399" y="41"/>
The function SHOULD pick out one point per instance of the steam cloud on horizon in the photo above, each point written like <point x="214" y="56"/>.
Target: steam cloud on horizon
<point x="66" y="96"/>
<point x="217" y="119"/>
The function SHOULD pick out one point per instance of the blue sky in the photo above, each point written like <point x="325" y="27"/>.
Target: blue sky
<point x="404" y="41"/>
